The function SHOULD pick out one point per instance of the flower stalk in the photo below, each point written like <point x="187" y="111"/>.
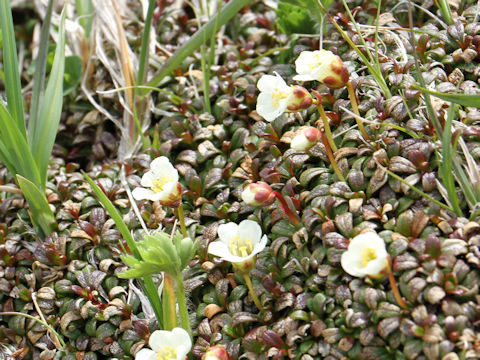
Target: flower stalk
<point x="182" y="305"/>
<point x="181" y="217"/>
<point x="326" y="126"/>
<point x="353" y="101"/>
<point x="168" y="302"/>
<point x="291" y="215"/>
<point x="336" y="169"/>
<point x="255" y="298"/>
<point x="394" y="286"/>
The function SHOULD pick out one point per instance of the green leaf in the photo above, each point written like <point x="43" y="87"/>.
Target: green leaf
<point x="293" y="19"/>
<point x="470" y="100"/>
<point x="13" y="87"/>
<point x="42" y="132"/>
<point x="41" y="214"/>
<point x="73" y="73"/>
<point x="38" y="70"/>
<point x="14" y="149"/>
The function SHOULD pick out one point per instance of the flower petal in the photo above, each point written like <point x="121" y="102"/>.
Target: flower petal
<point x="260" y="246"/>
<point x="140" y="193"/>
<point x="227" y="231"/>
<point x="248" y="195"/>
<point x="266" y="109"/>
<point x="159" y="339"/>
<point x="303" y="61"/>
<point x="218" y="248"/>
<point x="145" y="354"/>
<point x="148" y="178"/>
<point x="162" y="166"/>
<point x="351" y="262"/>
<point x="300" y="142"/>
<point x="250" y="230"/>
<point x="266" y="83"/>
<point x="167" y="190"/>
<point x="305" y="77"/>
<point x="375" y="267"/>
<point x="180" y="339"/>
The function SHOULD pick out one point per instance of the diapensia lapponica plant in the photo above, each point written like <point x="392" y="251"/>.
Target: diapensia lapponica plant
<point x="277" y="97"/>
<point x="366" y="255"/>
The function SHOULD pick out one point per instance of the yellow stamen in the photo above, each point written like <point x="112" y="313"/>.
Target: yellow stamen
<point x="278" y="95"/>
<point x="368" y="255"/>
<point x="316" y="63"/>
<point x="240" y="247"/>
<point x="166" y="353"/>
<point x="159" y="183"/>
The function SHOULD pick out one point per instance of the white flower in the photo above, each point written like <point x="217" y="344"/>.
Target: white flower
<point x="166" y="345"/>
<point x="162" y="181"/>
<point x="239" y="244"/>
<point x="274" y="96"/>
<point x="366" y="256"/>
<point x="323" y="66"/>
<point x="305" y="138"/>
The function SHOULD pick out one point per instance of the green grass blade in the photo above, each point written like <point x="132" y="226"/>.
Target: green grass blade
<point x="13" y="87"/>
<point x="15" y="148"/>
<point x="444" y="7"/>
<point x="233" y="7"/>
<point x="41" y="214"/>
<point x="85" y="12"/>
<point x="446" y="163"/>
<point x="471" y="100"/>
<point x="143" y="59"/>
<point x="147" y="284"/>
<point x="40" y="65"/>
<point x="42" y="132"/>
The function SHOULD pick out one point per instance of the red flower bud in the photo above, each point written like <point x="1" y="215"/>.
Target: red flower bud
<point x="258" y="194"/>
<point x="217" y="352"/>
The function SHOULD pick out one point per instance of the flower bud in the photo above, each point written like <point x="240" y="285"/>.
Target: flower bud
<point x="305" y="138"/>
<point x="300" y="100"/>
<point x="258" y="194"/>
<point x="217" y="352"/>
<point x="323" y="66"/>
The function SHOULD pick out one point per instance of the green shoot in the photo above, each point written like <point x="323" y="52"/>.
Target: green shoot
<point x="147" y="284"/>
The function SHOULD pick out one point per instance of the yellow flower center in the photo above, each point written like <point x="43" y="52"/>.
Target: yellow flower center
<point x="167" y="353"/>
<point x="240" y="247"/>
<point x="316" y="63"/>
<point x="368" y="255"/>
<point x="278" y="95"/>
<point x="159" y="183"/>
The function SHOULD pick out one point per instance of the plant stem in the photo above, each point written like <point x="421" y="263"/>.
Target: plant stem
<point x="292" y="216"/>
<point x="181" y="218"/>
<point x="396" y="292"/>
<point x="182" y="305"/>
<point x="331" y="157"/>
<point x="169" y="305"/>
<point x="255" y="298"/>
<point x="353" y="101"/>
<point x="326" y="126"/>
